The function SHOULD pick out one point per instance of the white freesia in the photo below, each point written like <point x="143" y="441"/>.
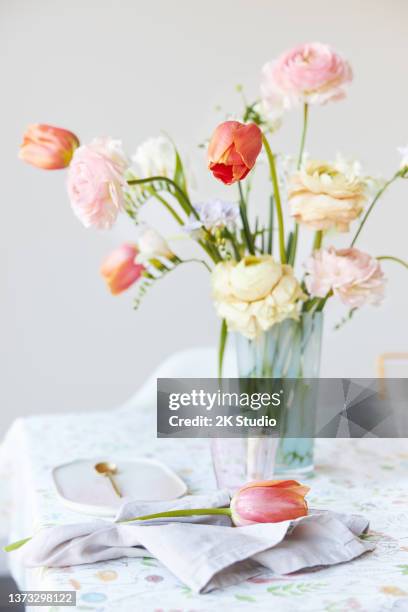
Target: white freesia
<point x="152" y="245"/>
<point x="255" y="294"/>
<point x="404" y="160"/>
<point x="115" y="150"/>
<point x="272" y="116"/>
<point x="155" y="157"/>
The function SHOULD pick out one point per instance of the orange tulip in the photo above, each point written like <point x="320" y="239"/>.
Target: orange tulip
<point x="120" y="269"/>
<point x="268" y="501"/>
<point x="233" y="150"/>
<point x="48" y="147"/>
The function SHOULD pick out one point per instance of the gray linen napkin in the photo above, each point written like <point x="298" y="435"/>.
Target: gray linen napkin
<point x="204" y="552"/>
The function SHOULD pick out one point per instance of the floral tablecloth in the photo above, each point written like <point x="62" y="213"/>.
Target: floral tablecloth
<point x="359" y="476"/>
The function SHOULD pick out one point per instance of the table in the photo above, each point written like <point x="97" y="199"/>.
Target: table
<point x="369" y="477"/>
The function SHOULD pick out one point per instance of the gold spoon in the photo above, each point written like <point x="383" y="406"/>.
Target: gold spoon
<point x="109" y="470"/>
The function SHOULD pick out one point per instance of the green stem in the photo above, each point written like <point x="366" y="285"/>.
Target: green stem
<point x="194" y="260"/>
<point x="168" y="207"/>
<point x="309" y="304"/>
<point x="211" y="250"/>
<point x="317" y="243"/>
<point x="270" y="226"/>
<point x="396" y="259"/>
<point x="275" y="184"/>
<point x="292" y="254"/>
<point x="304" y="131"/>
<point x="176" y="513"/>
<point x="182" y="197"/>
<point x="168" y="514"/>
<point x="221" y="348"/>
<point x="245" y="223"/>
<point x="234" y="244"/>
<point x="370" y="208"/>
<point x="187" y="206"/>
<point x="322" y="302"/>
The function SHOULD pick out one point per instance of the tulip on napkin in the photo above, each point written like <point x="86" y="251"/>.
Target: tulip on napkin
<point x="202" y="550"/>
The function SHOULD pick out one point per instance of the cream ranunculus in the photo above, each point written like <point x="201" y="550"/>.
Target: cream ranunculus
<point x="220" y="280"/>
<point x="323" y="195"/>
<point x="255" y="294"/>
<point x="254" y="277"/>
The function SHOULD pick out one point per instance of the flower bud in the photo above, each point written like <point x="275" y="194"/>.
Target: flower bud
<point x="152" y="245"/>
<point x="48" y="147"/>
<point x="120" y="269"/>
<point x="233" y="150"/>
<point x="268" y="501"/>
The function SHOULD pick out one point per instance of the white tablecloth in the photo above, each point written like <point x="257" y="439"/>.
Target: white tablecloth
<point x="361" y="476"/>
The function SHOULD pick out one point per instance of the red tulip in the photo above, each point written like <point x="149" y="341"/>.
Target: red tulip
<point x="268" y="501"/>
<point x="120" y="269"/>
<point x="48" y="147"/>
<point x="233" y="150"/>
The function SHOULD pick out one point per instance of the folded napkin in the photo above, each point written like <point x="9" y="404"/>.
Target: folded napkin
<point x="204" y="552"/>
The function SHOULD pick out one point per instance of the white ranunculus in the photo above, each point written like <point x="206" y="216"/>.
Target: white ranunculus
<point x="254" y="277"/>
<point x="155" y="157"/>
<point x="255" y="294"/>
<point x="152" y="245"/>
<point x="220" y="280"/>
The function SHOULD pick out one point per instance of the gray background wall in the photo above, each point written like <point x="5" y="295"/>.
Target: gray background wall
<point x="130" y="69"/>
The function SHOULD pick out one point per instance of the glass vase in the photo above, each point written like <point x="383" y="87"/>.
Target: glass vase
<point x="240" y="460"/>
<point x="289" y="350"/>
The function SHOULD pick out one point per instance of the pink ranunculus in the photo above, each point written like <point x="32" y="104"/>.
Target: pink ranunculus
<point x="353" y="276"/>
<point x="120" y="269"/>
<point x="48" y="147"/>
<point x="268" y="501"/>
<point x="312" y="73"/>
<point x="96" y="182"/>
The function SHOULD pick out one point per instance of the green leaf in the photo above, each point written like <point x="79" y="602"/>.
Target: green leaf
<point x="149" y="562"/>
<point x="16" y="545"/>
<point x="221" y="349"/>
<point x="289" y="248"/>
<point x="245" y="598"/>
<point x="245" y="223"/>
<point x="179" y="175"/>
<point x="345" y="319"/>
<point x="294" y="588"/>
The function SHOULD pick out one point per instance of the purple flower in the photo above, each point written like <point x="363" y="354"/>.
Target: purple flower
<point x="214" y="214"/>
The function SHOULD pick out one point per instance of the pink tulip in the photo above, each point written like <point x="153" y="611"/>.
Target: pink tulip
<point x="120" y="269"/>
<point x="268" y="501"/>
<point x="264" y="501"/>
<point x="233" y="150"/>
<point x="48" y="147"/>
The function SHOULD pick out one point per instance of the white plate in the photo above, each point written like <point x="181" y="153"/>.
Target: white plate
<point x="81" y="489"/>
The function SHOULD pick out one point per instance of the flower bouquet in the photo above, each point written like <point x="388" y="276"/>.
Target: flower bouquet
<point x="276" y="315"/>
